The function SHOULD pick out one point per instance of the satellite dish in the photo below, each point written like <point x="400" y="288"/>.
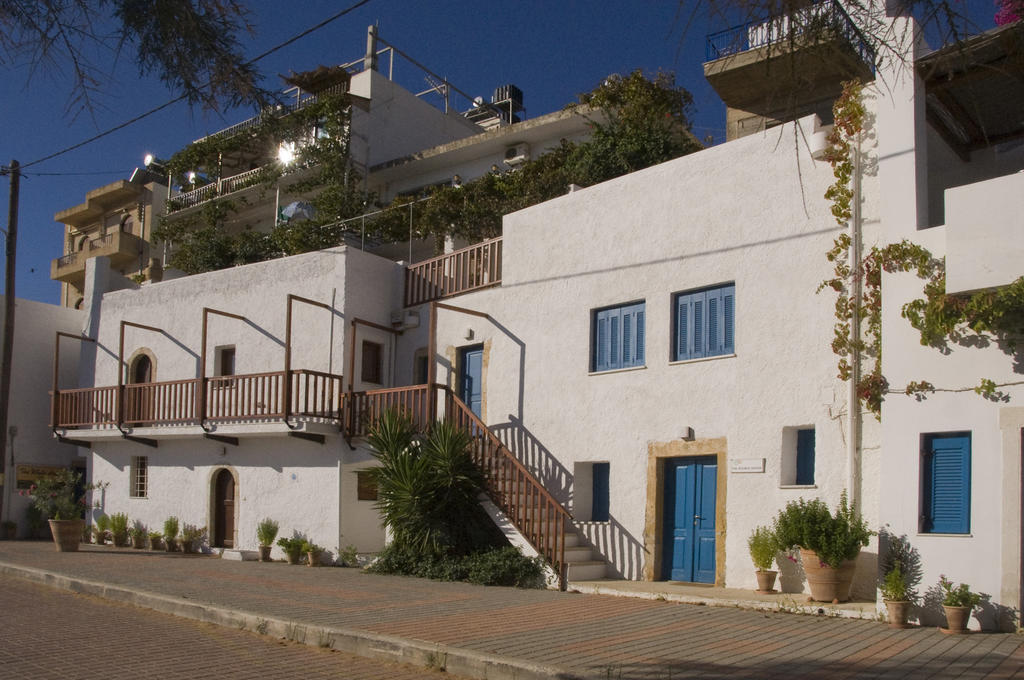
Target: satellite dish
<point x="478" y="101"/>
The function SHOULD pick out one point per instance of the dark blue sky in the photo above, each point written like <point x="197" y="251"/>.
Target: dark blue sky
<point x="552" y="50"/>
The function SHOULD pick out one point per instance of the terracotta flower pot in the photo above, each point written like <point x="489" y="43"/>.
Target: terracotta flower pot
<point x="766" y="581"/>
<point x="170" y="545"/>
<point x="265" y="553"/>
<point x="956" y="619"/>
<point x="313" y="559"/>
<point x="898" y="611"/>
<point x="826" y="583"/>
<point x="292" y="557"/>
<point x="67" y="534"/>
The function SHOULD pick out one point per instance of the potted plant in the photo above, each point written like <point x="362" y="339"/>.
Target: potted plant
<point x="763" y="546"/>
<point x="119" y="529"/>
<point x="138" y="535"/>
<point x="292" y="548"/>
<point x="190" y="536"/>
<point x="829" y="543"/>
<point x="58" y="497"/>
<point x="100" y="529"/>
<point x="957" y="602"/>
<point x="266" y="532"/>
<point x="10" y="530"/>
<point x="170" y="533"/>
<point x="154" y="540"/>
<point x="312" y="551"/>
<point x="897" y="597"/>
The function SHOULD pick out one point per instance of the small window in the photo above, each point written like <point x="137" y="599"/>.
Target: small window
<point x="366" y="486"/>
<point x="704" y="323"/>
<point x="420" y="368"/>
<point x="617" y="337"/>
<point x="805" y="457"/>
<point x="372" y="363"/>
<point x="224" y="360"/>
<point x="946" y="483"/>
<point x="591" y="491"/>
<point x="139" y="473"/>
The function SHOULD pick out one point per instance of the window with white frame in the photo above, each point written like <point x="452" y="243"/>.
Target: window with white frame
<point x="617" y="337"/>
<point x="704" y="324"/>
<point x="139" y="473"/>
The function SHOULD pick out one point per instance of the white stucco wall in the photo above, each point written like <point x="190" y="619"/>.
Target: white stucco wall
<point x="749" y="212"/>
<point x="35" y="328"/>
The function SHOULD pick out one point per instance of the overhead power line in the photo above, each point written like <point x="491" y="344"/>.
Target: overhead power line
<point x="121" y="126"/>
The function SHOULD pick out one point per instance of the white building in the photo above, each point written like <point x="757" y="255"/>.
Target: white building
<point x="31" y="451"/>
<point x="661" y="370"/>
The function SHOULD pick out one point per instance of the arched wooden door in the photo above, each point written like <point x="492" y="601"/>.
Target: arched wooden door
<point x="139" y="405"/>
<point x="224" y="510"/>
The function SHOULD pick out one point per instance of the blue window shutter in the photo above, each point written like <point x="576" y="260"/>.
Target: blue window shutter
<point x="627" y="338"/>
<point x="599" y="504"/>
<point x="714" y="344"/>
<point x="615" y="352"/>
<point x="805" y="456"/>
<point x="602" y="342"/>
<point x="699" y="343"/>
<point x="683" y="305"/>
<point x="728" y="303"/>
<point x="946" y="505"/>
<point x="639" y="358"/>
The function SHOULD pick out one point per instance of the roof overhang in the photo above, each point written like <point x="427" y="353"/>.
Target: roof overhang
<point x="975" y="89"/>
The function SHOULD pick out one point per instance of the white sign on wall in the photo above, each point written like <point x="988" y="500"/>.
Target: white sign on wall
<point x="746" y="465"/>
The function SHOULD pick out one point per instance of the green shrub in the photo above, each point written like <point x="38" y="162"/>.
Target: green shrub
<point x="504" y="567"/>
<point x="119" y="528"/>
<point x="491" y="567"/>
<point x="171" y="528"/>
<point x="102" y="522"/>
<point x="894" y="586"/>
<point x="811" y="526"/>
<point x="266" y="531"/>
<point x="763" y="546"/>
<point x="291" y="546"/>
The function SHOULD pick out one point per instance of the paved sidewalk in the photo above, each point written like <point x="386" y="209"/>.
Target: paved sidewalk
<point x="508" y="633"/>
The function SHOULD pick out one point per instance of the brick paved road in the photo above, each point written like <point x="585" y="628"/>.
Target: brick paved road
<point x="585" y="635"/>
<point x="50" y="633"/>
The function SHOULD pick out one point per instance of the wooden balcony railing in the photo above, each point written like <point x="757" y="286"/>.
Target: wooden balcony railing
<point x="160" y="402"/>
<point x="92" y="406"/>
<point x="472" y="268"/>
<point x="366" y="407"/>
<point x="317" y="395"/>
<point x="245" y="397"/>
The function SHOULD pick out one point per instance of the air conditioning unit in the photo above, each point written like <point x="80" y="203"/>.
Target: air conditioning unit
<point x="517" y="153"/>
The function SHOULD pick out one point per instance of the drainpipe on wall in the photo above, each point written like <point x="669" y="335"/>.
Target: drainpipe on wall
<point x="853" y="452"/>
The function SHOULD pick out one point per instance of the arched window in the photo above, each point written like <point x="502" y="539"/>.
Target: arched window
<point x="141" y="370"/>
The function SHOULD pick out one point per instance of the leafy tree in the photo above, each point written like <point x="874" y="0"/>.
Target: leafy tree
<point x="192" y="46"/>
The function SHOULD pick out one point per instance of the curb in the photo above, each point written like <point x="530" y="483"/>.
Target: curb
<point x="361" y="643"/>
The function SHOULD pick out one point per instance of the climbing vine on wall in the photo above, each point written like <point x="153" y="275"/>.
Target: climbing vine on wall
<point x="973" y="320"/>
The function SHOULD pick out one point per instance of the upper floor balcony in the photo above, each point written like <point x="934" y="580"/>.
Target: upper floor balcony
<point x="121" y="247"/>
<point x="793" y="61"/>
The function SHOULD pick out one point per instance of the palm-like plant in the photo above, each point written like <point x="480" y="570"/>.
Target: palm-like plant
<point x="426" y="486"/>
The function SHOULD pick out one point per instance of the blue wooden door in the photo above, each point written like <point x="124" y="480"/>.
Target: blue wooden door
<point x="471" y="365"/>
<point x="689" y="527"/>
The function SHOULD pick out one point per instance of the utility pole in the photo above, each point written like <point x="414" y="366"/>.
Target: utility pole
<point x="8" y="347"/>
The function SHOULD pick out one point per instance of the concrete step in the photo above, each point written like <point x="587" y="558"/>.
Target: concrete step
<point x="586" y="571"/>
<point x="579" y="553"/>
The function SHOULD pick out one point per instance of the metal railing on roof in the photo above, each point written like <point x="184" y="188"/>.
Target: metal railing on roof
<point x="822" y="18"/>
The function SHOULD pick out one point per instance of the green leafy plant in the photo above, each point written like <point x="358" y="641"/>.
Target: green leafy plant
<point x="493" y="566"/>
<point x="191" y="533"/>
<point x="101" y="528"/>
<point x="119" y="528"/>
<point x="312" y="550"/>
<point x="348" y="556"/>
<point x="60" y="496"/>
<point x="763" y="547"/>
<point x="810" y="525"/>
<point x="958" y="595"/>
<point x="426" y="487"/>
<point x="266" y="531"/>
<point x="894" y="586"/>
<point x="154" y="539"/>
<point x="291" y="546"/>
<point x="171" y="528"/>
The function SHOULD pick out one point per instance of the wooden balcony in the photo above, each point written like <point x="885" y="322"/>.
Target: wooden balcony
<point x="465" y="270"/>
<point x="121" y="247"/>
